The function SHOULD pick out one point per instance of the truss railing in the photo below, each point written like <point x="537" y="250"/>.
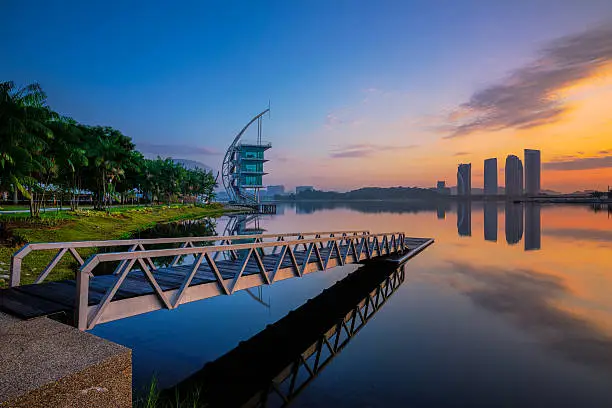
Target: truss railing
<point x="133" y="245"/>
<point x="248" y="269"/>
<point x="291" y="381"/>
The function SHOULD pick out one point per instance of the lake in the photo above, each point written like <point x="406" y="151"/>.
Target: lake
<point x="510" y="307"/>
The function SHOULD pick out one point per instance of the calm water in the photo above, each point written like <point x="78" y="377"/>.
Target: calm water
<point x="511" y="306"/>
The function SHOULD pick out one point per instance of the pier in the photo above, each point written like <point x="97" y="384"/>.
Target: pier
<point x="182" y="270"/>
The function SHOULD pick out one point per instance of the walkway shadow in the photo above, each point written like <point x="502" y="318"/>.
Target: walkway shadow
<point x="275" y="365"/>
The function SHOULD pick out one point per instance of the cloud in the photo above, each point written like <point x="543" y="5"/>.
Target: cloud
<point x="364" y="150"/>
<point x="529" y="96"/>
<point x="461" y="154"/>
<point x="526" y="298"/>
<point x="174" y="149"/>
<point x="582" y="163"/>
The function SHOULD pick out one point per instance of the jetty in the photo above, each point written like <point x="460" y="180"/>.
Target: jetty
<point x="143" y="275"/>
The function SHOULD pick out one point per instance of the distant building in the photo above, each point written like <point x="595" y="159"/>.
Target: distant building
<point x="442" y="189"/>
<point x="532" y="172"/>
<point x="303" y="189"/>
<point x="275" y="190"/>
<point x="464" y="179"/>
<point x="514" y="176"/>
<point x="490" y="176"/>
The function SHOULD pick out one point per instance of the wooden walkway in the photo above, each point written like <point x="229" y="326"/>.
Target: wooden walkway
<point x="150" y="279"/>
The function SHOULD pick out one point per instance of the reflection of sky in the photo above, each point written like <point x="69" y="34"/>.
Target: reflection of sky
<point x="476" y="323"/>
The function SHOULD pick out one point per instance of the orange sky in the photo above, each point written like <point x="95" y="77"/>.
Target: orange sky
<point x="406" y="151"/>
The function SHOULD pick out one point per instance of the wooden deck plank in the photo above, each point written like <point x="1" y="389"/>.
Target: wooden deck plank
<point x="62" y="292"/>
<point x="26" y="306"/>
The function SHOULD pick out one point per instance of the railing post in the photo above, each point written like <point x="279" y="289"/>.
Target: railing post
<point x="82" y="300"/>
<point x="15" y="272"/>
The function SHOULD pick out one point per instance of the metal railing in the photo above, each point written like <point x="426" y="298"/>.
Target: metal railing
<point x="133" y="245"/>
<point x="328" y="252"/>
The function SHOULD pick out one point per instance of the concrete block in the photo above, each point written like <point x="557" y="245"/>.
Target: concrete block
<point x="48" y="364"/>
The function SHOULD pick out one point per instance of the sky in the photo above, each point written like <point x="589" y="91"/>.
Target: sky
<point x="362" y="93"/>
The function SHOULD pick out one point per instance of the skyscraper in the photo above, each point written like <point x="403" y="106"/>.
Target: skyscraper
<point x="464" y="179"/>
<point x="490" y="176"/>
<point x="532" y="171"/>
<point x="514" y="176"/>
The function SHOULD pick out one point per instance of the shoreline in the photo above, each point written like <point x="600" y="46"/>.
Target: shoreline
<point x="88" y="225"/>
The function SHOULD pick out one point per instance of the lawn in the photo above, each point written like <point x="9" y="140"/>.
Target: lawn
<point x="85" y="225"/>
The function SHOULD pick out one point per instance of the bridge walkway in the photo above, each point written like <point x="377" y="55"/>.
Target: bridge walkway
<point x="153" y="279"/>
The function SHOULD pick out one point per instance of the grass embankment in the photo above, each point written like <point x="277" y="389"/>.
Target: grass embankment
<point x="85" y="225"/>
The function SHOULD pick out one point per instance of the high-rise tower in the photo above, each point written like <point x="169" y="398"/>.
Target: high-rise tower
<point x="514" y="176"/>
<point x="532" y="172"/>
<point x="490" y="176"/>
<point x="464" y="179"/>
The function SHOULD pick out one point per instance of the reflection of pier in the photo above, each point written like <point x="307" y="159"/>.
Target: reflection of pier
<point x="275" y="365"/>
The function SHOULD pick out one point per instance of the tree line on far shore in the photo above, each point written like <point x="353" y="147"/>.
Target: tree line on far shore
<point x="43" y="154"/>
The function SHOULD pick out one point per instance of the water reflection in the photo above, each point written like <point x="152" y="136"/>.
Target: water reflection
<point x="464" y="218"/>
<point x="395" y="207"/>
<point x="274" y="366"/>
<point x="527" y="298"/>
<point x="477" y="323"/>
<point x="533" y="227"/>
<point x="514" y="223"/>
<point x="490" y="221"/>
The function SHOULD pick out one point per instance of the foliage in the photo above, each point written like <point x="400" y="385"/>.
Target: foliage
<point x="43" y="155"/>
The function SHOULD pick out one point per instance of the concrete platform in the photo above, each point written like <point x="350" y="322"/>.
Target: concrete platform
<point x="49" y="364"/>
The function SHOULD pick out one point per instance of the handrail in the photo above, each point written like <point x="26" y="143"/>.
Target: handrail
<point x="136" y="244"/>
<point x="158" y="253"/>
<point x="365" y="246"/>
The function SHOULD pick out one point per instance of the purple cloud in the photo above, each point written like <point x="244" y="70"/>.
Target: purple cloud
<point x="528" y="97"/>
<point x="364" y="150"/>
<point x="583" y="163"/>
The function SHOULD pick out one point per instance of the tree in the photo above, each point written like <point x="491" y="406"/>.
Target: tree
<point x="24" y="134"/>
<point x="108" y="150"/>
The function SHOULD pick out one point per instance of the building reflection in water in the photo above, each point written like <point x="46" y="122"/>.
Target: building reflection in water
<point x="441" y="212"/>
<point x="490" y="221"/>
<point x="464" y="218"/>
<point x="514" y="223"/>
<point x="518" y="218"/>
<point x="274" y="366"/>
<point x="533" y="227"/>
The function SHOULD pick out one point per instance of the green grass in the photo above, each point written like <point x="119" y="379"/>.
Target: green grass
<point x="154" y="398"/>
<point x="12" y="207"/>
<point x="86" y="225"/>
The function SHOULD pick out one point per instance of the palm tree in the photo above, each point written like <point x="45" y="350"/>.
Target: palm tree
<point x="23" y="134"/>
